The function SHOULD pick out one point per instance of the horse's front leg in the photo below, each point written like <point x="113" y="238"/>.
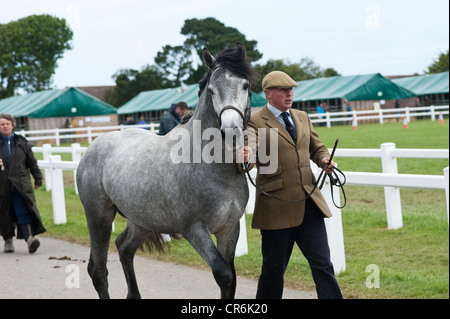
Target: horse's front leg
<point x="200" y="238"/>
<point x="226" y="244"/>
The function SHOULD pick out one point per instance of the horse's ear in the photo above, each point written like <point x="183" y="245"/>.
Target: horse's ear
<point x="209" y="60"/>
<point x="241" y="51"/>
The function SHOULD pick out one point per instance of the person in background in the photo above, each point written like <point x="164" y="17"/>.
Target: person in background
<point x="142" y="120"/>
<point x="172" y="117"/>
<point x="321" y="110"/>
<point x="17" y="200"/>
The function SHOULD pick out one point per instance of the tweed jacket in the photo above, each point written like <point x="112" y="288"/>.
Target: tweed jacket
<point x="292" y="178"/>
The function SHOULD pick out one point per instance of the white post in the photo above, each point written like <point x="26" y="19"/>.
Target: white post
<point x="391" y="194"/>
<point x="152" y="128"/>
<point x="58" y="200"/>
<point x="76" y="156"/>
<point x="334" y="228"/>
<point x="89" y="131"/>
<point x="242" y="245"/>
<point x="447" y="191"/>
<point x="327" y="115"/>
<point x="48" y="173"/>
<point x="432" y="113"/>
<point x="250" y="208"/>
<point x="58" y="140"/>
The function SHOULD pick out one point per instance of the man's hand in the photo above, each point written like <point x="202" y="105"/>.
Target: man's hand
<point x="244" y="154"/>
<point x="329" y="167"/>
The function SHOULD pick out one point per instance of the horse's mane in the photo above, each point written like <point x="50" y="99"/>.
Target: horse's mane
<point x="231" y="60"/>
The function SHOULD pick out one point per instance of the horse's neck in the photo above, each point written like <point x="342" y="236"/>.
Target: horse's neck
<point x="205" y="112"/>
<point x="206" y="118"/>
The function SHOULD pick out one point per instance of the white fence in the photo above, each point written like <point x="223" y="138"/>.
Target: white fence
<point x="380" y="114"/>
<point x="389" y="179"/>
<point x="70" y="134"/>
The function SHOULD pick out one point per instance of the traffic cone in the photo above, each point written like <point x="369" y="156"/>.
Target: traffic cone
<point x="405" y="122"/>
<point x="441" y="118"/>
<point x="354" y="124"/>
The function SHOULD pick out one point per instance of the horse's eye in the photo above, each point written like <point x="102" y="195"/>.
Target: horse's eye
<point x="246" y="86"/>
<point x="210" y="92"/>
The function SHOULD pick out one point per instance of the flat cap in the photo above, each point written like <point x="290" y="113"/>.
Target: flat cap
<point x="278" y="79"/>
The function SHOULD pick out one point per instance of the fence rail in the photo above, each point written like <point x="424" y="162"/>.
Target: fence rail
<point x="380" y="114"/>
<point x="389" y="179"/>
<point x="90" y="133"/>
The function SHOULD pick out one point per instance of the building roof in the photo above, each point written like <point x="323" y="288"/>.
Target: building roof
<point x="425" y="84"/>
<point x="352" y="88"/>
<point x="66" y="102"/>
<point x="162" y="99"/>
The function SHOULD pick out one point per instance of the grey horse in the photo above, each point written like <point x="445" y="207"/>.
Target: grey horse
<point x="161" y="185"/>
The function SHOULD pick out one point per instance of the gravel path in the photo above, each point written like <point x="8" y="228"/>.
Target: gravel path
<point x="49" y="272"/>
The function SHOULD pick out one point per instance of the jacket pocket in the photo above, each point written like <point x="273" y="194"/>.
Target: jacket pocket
<point x="276" y="173"/>
<point x="271" y="186"/>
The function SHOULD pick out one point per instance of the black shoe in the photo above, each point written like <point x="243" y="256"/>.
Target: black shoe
<point x="33" y="244"/>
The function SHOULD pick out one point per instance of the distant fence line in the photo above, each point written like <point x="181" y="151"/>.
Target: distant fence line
<point x="89" y="133"/>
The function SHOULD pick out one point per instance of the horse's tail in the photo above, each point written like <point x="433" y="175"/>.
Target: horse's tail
<point x="158" y="242"/>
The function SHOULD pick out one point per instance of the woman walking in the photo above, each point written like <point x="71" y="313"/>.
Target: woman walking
<point x="17" y="201"/>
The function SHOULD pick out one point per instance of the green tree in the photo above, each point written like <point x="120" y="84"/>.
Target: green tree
<point x="174" y="63"/>
<point x="216" y="36"/>
<point x="440" y="64"/>
<point x="130" y="83"/>
<point x="29" y="51"/>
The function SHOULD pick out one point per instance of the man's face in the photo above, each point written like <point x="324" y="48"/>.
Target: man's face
<point x="6" y="127"/>
<point x="180" y="112"/>
<point x="281" y="98"/>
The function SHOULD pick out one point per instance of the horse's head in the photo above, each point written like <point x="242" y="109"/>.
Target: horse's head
<point x="228" y="85"/>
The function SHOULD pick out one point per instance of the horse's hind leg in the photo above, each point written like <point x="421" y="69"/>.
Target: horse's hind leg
<point x="200" y="238"/>
<point x="100" y="226"/>
<point x="127" y="243"/>
<point x="226" y="244"/>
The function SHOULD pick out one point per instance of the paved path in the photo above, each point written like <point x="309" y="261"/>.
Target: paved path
<point x="48" y="273"/>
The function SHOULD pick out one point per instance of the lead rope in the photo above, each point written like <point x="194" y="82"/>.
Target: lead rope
<point x="334" y="181"/>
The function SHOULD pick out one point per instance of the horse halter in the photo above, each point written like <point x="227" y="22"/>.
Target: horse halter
<point x="245" y="116"/>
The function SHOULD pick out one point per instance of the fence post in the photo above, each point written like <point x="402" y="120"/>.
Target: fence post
<point x="58" y="200"/>
<point x="327" y="115"/>
<point x="447" y="191"/>
<point x="250" y="208"/>
<point x="58" y="140"/>
<point x="76" y="156"/>
<point x="242" y="245"/>
<point x="432" y="113"/>
<point x="391" y="194"/>
<point x="334" y="228"/>
<point x="89" y="131"/>
<point x="48" y="173"/>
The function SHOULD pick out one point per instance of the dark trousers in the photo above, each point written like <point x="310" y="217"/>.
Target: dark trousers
<point x="311" y="238"/>
<point x="24" y="216"/>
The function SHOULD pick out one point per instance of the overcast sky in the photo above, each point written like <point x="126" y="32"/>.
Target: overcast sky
<point x="391" y="37"/>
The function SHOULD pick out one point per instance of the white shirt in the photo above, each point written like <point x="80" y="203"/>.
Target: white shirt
<point x="278" y="115"/>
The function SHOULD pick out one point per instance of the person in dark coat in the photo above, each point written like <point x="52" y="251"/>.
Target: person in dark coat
<point x="17" y="200"/>
<point x="172" y="117"/>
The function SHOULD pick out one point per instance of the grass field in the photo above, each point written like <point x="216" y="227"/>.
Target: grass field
<point x="413" y="261"/>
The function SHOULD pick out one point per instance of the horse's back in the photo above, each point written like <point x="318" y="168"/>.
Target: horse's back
<point x="110" y="148"/>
